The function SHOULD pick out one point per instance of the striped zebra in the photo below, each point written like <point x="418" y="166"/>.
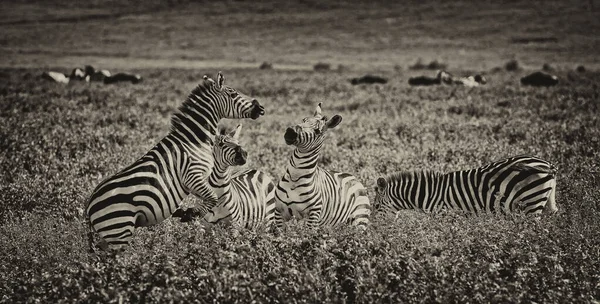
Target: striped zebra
<point x="522" y="183"/>
<point x="326" y="198"/>
<point x="247" y="199"/>
<point x="149" y="190"/>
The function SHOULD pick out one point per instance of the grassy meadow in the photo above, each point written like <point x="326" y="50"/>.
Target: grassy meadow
<point x="57" y="142"/>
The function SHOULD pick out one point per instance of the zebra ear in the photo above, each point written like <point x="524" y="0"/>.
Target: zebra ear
<point x="206" y="78"/>
<point x="235" y="134"/>
<point x="220" y="80"/>
<point x="318" y="110"/>
<point x="334" y="121"/>
<point x="381" y="183"/>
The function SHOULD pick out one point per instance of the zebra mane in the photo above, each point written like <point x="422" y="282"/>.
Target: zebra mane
<point x="189" y="108"/>
<point x="410" y="175"/>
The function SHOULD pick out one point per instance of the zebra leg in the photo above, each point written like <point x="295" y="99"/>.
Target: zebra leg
<point x="209" y="201"/>
<point x="313" y="217"/>
<point x="362" y="211"/>
<point x="178" y="213"/>
<point x="119" y="240"/>
<point x="551" y="203"/>
<point x="278" y="219"/>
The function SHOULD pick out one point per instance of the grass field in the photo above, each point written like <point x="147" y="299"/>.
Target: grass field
<point x="58" y="142"/>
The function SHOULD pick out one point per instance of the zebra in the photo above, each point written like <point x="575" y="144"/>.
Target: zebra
<point x="246" y="199"/>
<point x="521" y="183"/>
<point x="327" y="198"/>
<point x="149" y="190"/>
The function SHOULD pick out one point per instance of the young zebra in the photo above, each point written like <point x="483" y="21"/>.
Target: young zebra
<point x="523" y="183"/>
<point x="305" y="190"/>
<point x="246" y="199"/>
<point x="149" y="190"/>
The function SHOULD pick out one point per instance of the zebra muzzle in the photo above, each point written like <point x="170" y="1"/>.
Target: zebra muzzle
<point x="240" y="157"/>
<point x="290" y="136"/>
<point x="257" y="110"/>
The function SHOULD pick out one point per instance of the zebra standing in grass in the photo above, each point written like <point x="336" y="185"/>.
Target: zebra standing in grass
<point x="149" y="190"/>
<point x="305" y="190"/>
<point x="524" y="183"/>
<point x="246" y="199"/>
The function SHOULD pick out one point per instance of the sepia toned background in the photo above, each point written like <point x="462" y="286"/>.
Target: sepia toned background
<point x="58" y="141"/>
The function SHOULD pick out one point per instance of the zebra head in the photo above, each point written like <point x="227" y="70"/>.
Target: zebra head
<point x="310" y="134"/>
<point x="233" y="104"/>
<point x="227" y="150"/>
<point x="387" y="196"/>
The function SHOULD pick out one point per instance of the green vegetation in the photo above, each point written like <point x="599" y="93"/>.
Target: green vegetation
<point x="57" y="142"/>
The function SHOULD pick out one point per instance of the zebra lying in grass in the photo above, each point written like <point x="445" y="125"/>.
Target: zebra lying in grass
<point x="246" y="199"/>
<point x="149" y="190"/>
<point x="306" y="190"/>
<point x="523" y="183"/>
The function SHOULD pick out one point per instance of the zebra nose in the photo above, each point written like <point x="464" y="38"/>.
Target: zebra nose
<point x="241" y="155"/>
<point x="257" y="109"/>
<point x="290" y="136"/>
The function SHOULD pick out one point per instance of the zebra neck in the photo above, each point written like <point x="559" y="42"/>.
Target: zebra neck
<point x="303" y="163"/>
<point x="424" y="191"/>
<point x="220" y="179"/>
<point x="167" y="154"/>
<point x="197" y="119"/>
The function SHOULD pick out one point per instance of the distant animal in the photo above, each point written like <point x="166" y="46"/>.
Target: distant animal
<point x="523" y="183"/>
<point x="98" y="75"/>
<point x="480" y="79"/>
<point x="55" y="77"/>
<point x="120" y="77"/>
<point x="77" y="74"/>
<point x="148" y="191"/>
<point x="89" y="70"/>
<point x="91" y="74"/>
<point x="368" y="79"/>
<point x="440" y="77"/>
<point x="246" y="199"/>
<point x="325" y="197"/>
<point x="547" y="67"/>
<point x="266" y="66"/>
<point x="539" y="79"/>
<point x="470" y="81"/>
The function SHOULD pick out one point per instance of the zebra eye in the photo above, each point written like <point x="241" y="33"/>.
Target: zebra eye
<point x="317" y="131"/>
<point x="233" y="94"/>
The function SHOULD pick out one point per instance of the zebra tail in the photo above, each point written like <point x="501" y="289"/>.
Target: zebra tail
<point x="535" y="169"/>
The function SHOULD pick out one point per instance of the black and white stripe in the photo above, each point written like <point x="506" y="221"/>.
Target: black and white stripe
<point x="247" y="199"/>
<point x="523" y="183"/>
<point x="149" y="190"/>
<point x="325" y="197"/>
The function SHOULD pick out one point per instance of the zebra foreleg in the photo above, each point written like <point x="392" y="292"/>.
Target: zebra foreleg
<point x="278" y="220"/>
<point x="313" y="217"/>
<point x="209" y="201"/>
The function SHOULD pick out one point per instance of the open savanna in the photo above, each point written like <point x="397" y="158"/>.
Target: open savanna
<point x="57" y="142"/>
